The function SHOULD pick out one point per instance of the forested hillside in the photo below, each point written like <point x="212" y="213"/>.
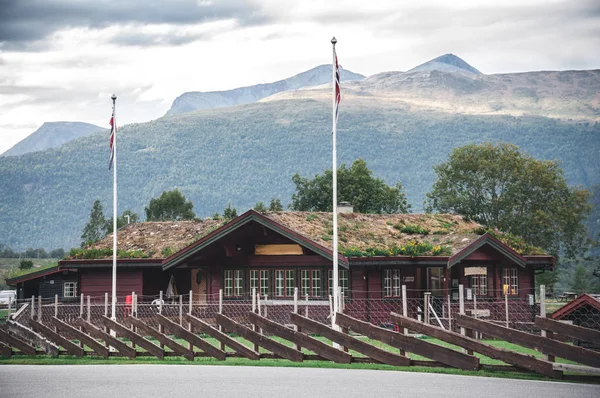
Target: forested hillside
<point x="249" y="153"/>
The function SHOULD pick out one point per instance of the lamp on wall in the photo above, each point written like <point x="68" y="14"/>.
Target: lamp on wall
<point x="238" y="248"/>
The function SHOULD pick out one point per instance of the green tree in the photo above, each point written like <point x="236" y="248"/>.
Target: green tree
<point x="260" y="207"/>
<point x="580" y="280"/>
<point x="127" y="217"/>
<point x="498" y="186"/>
<point x="229" y="213"/>
<point x="25" y="264"/>
<point x="275" y="205"/>
<point x="57" y="253"/>
<point x="356" y="185"/>
<point x="95" y="229"/>
<point x="170" y="206"/>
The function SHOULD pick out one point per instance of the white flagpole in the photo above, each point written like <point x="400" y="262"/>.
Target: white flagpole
<point x="114" y="267"/>
<point x="336" y="304"/>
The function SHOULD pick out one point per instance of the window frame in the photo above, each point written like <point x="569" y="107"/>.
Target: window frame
<point x="314" y="289"/>
<point x="288" y="288"/>
<point x="395" y="280"/>
<point x="260" y="287"/>
<point x="69" y="283"/>
<point x="475" y="283"/>
<point x="511" y="275"/>
<point x="237" y="290"/>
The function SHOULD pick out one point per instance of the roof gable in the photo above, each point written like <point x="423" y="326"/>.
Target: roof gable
<point x="581" y="301"/>
<point x="487" y="240"/>
<point x="33" y="275"/>
<point x="235" y="224"/>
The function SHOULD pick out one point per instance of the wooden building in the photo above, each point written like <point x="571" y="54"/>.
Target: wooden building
<point x="47" y="283"/>
<point x="277" y="252"/>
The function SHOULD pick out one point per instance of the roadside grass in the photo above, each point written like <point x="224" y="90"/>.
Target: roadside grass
<point x="71" y="360"/>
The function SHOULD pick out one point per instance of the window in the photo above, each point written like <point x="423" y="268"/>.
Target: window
<point x="234" y="283"/>
<point x="342" y="281"/>
<point x="479" y="284"/>
<point x="259" y="280"/>
<point x="392" y="283"/>
<point x="510" y="278"/>
<point x="310" y="282"/>
<point x="70" y="289"/>
<point x="284" y="283"/>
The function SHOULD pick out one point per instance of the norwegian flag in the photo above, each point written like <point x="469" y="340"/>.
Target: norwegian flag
<point x="113" y="131"/>
<point x="338" y="95"/>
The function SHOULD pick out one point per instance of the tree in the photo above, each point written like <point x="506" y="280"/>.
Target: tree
<point x="95" y="229"/>
<point x="170" y="206"/>
<point x="229" y="213"/>
<point x="580" y="280"/>
<point x="275" y="205"/>
<point x="127" y="217"/>
<point x="57" y="253"/>
<point x="499" y="187"/>
<point x="356" y="185"/>
<point x="260" y="207"/>
<point x="25" y="264"/>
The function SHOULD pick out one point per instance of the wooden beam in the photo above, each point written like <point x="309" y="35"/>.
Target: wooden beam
<point x="301" y="339"/>
<point x="428" y="350"/>
<point x="586" y="370"/>
<point x="576" y="332"/>
<point x="536" y="342"/>
<point x="123" y="348"/>
<point x="5" y="351"/>
<point x="222" y="337"/>
<point x="50" y="334"/>
<point x="34" y="338"/>
<point x="352" y="343"/>
<point x="514" y="358"/>
<point x="276" y="348"/>
<point x="100" y="349"/>
<point x="163" y="339"/>
<point x="134" y="337"/>
<point x="190" y="337"/>
<point x="17" y="343"/>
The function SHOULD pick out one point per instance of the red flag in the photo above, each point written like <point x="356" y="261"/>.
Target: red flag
<point x="113" y="130"/>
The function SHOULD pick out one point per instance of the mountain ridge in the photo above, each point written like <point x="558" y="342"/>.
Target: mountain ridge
<point x="51" y="135"/>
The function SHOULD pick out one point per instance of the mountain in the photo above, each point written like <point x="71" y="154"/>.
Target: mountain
<point x="401" y="123"/>
<point x="52" y="135"/>
<point x="194" y="100"/>
<point x="446" y="63"/>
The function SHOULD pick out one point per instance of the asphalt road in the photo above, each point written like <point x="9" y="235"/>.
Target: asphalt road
<point x="236" y="381"/>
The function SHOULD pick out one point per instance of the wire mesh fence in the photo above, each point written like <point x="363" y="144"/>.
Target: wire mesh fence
<point x="516" y="311"/>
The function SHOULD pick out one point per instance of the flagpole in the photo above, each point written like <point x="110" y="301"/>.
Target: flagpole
<point x="114" y="266"/>
<point x="336" y="304"/>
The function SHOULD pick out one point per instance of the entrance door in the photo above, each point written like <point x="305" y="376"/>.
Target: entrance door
<point x="435" y="281"/>
<point x="199" y="283"/>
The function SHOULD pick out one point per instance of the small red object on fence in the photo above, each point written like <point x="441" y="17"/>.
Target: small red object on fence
<point x="128" y="304"/>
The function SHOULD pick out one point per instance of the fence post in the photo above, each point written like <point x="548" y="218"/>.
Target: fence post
<point x="221" y="345"/>
<point x="306" y="312"/>
<point x="39" y="313"/>
<point x="449" y="314"/>
<point x="266" y="306"/>
<point x="550" y="335"/>
<point x="404" y="313"/>
<point x="81" y="306"/>
<point x="180" y="310"/>
<point x="474" y="313"/>
<point x="426" y="299"/>
<point x="461" y="308"/>
<point x="89" y="312"/>
<point x="9" y="308"/>
<point x="506" y="304"/>
<point x="256" y="348"/>
<point x="32" y="312"/>
<point x="190" y="346"/>
<point x="296" y="346"/>
<point x="160" y="308"/>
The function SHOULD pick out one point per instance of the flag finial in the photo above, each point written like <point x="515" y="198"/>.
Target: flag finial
<point x="114" y="98"/>
<point x="334" y="40"/>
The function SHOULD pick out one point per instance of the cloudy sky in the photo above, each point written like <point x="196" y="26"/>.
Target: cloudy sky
<point x="60" y="60"/>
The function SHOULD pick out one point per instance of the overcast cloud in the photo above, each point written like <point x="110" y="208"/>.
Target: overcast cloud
<point x="62" y="59"/>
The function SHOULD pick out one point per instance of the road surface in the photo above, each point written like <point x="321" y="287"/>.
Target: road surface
<point x="50" y="381"/>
